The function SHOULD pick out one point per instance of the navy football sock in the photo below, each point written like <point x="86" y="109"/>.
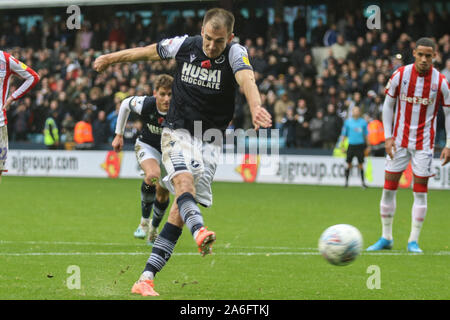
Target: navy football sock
<point x="189" y="212"/>
<point x="163" y="248"/>
<point x="148" y="193"/>
<point x="159" y="209"/>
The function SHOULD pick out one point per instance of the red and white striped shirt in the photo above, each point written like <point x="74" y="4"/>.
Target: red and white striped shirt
<point x="418" y="98"/>
<point x="9" y="66"/>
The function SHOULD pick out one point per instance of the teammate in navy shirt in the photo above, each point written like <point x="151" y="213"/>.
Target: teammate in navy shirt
<point x="152" y="112"/>
<point x="355" y="129"/>
<point x="209" y="70"/>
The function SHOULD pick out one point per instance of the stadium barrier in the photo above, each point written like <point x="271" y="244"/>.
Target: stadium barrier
<point x="285" y="169"/>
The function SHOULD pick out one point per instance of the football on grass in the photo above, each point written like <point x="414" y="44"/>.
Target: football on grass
<point x="340" y="244"/>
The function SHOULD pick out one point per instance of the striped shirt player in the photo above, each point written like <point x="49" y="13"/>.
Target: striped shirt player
<point x="10" y="66"/>
<point x="416" y="91"/>
<point x="413" y="127"/>
<point x="210" y="68"/>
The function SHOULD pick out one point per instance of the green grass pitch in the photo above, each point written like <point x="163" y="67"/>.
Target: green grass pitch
<point x="266" y="245"/>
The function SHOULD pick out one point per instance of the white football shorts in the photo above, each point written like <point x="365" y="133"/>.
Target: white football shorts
<point x="182" y="152"/>
<point x="421" y="161"/>
<point x="3" y="147"/>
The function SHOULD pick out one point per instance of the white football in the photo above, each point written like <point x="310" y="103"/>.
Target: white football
<point x="340" y="244"/>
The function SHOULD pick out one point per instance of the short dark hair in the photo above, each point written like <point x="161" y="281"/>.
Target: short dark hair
<point x="163" y="81"/>
<point x="426" y="42"/>
<point x="220" y="18"/>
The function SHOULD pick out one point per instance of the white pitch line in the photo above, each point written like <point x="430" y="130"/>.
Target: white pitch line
<point x="81" y="243"/>
<point x="298" y="253"/>
<point x="294" y="250"/>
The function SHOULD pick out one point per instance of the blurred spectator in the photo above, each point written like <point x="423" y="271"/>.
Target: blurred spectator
<point x="280" y="109"/>
<point x="446" y="70"/>
<point x="299" y="25"/>
<point x="20" y="119"/>
<point x="51" y="132"/>
<point x="376" y="136"/>
<point x="83" y="136"/>
<point x="68" y="126"/>
<point x="112" y="117"/>
<point x="289" y="124"/>
<point x="279" y="30"/>
<point x="303" y="116"/>
<point x="340" y="47"/>
<point x="100" y="129"/>
<point x="331" y="127"/>
<point x="315" y="126"/>
<point x="307" y="69"/>
<point x="116" y="34"/>
<point x="330" y="36"/>
<point x="318" y="32"/>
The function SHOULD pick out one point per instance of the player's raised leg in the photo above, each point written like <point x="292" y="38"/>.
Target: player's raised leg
<point x="161" y="253"/>
<point x="148" y="194"/>
<point x="387" y="211"/>
<point x="418" y="212"/>
<point x="190" y="212"/>
<point x="159" y="209"/>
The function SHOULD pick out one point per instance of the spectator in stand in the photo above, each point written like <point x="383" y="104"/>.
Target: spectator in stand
<point x="340" y="48"/>
<point x="331" y="127"/>
<point x="376" y="136"/>
<point x="280" y="109"/>
<point x="307" y="69"/>
<point x="318" y="32"/>
<point x="298" y="56"/>
<point x="100" y="129"/>
<point x="117" y="33"/>
<point x="330" y="36"/>
<point x="315" y="126"/>
<point x="51" y="132"/>
<point x="299" y="25"/>
<point x="446" y="70"/>
<point x="67" y="128"/>
<point x="19" y="121"/>
<point x="83" y="136"/>
<point x="289" y="123"/>
<point x="302" y="130"/>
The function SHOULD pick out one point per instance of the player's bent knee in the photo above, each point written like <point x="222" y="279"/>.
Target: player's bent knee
<point x="151" y="179"/>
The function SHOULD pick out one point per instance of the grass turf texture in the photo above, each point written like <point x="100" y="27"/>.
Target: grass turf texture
<point x="266" y="243"/>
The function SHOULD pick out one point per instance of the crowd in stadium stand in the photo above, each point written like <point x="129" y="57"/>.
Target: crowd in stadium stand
<point x="308" y="99"/>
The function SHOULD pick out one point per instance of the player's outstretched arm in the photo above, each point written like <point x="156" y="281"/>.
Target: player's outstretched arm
<point x="445" y="155"/>
<point x="260" y="116"/>
<point x="147" y="53"/>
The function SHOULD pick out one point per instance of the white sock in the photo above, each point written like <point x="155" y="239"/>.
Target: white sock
<point x="387" y="211"/>
<point x="418" y="212"/>
<point x="146" y="275"/>
<point x="195" y="233"/>
<point x="145" y="222"/>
